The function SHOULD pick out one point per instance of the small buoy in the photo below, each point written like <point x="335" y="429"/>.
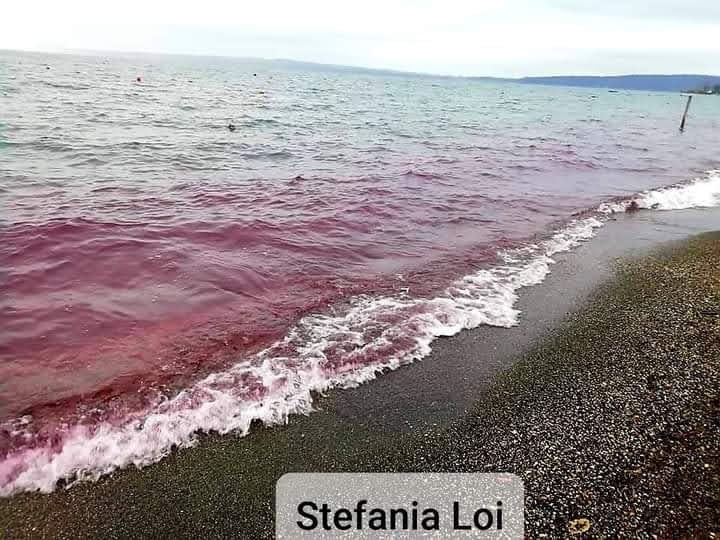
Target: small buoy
<point x="139" y="79"/>
<point x="254" y="74"/>
<point x="231" y="126"/>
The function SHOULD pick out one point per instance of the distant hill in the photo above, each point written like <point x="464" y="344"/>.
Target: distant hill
<point x="339" y="68"/>
<point x="661" y="83"/>
<point x="658" y="83"/>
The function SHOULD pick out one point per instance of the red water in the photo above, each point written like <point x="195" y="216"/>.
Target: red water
<point x="96" y="309"/>
<point x="143" y="246"/>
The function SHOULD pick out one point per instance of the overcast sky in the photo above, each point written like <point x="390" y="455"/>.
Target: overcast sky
<point x="456" y="37"/>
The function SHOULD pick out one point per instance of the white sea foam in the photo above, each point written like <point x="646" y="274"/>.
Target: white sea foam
<point x="322" y="351"/>
<point x="700" y="193"/>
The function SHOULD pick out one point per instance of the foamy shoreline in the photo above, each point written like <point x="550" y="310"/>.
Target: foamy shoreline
<point x="409" y="401"/>
<point x="220" y="403"/>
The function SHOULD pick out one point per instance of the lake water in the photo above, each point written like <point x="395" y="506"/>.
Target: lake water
<point x="162" y="275"/>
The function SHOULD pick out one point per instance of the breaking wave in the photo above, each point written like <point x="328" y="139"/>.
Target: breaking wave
<point x="700" y="193"/>
<point x="347" y="347"/>
<point x="339" y="350"/>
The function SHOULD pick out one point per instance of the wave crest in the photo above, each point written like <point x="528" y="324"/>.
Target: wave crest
<point x="700" y="193"/>
<point x="321" y="352"/>
<point x="342" y="349"/>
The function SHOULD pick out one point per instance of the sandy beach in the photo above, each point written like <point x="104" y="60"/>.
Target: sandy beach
<point x="604" y="400"/>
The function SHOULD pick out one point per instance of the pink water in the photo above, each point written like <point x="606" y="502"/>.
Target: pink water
<point x="143" y="246"/>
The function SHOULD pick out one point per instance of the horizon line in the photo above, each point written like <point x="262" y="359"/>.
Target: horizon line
<point x="99" y="52"/>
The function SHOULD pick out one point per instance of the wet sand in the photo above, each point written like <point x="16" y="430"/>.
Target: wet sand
<point x="601" y="421"/>
<point x="613" y="421"/>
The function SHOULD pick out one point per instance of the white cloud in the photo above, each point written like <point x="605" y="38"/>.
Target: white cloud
<point x="453" y="36"/>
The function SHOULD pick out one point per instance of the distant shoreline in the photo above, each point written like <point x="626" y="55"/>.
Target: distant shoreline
<point x="704" y="92"/>
<point x="641" y="82"/>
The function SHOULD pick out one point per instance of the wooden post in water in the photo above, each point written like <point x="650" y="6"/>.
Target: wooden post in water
<point x="687" y="106"/>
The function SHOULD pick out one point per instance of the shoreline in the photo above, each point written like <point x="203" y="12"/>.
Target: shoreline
<point x="225" y="485"/>
<point x="613" y="420"/>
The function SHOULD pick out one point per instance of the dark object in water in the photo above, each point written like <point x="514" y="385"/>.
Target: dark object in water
<point x="254" y="74"/>
<point x="139" y="79"/>
<point x="47" y="67"/>
<point x="632" y="207"/>
<point x="684" y="116"/>
<point x="231" y="126"/>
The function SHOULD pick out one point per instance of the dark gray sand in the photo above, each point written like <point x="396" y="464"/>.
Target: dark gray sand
<point x="604" y="400"/>
<point x="616" y="418"/>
